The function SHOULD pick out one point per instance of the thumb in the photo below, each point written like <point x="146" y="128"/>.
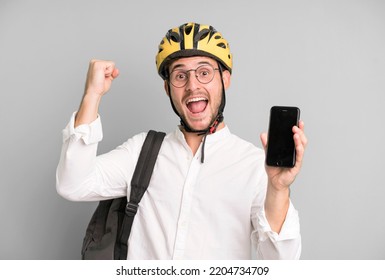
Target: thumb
<point x="263" y="137"/>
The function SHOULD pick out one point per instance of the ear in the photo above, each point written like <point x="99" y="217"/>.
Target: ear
<point x="226" y="76"/>
<point x="166" y="88"/>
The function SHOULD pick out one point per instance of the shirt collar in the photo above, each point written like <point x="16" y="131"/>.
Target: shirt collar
<point x="211" y="138"/>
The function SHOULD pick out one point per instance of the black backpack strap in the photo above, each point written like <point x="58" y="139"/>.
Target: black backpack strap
<point x="139" y="184"/>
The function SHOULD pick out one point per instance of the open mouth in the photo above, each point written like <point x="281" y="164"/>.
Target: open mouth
<point x="197" y="105"/>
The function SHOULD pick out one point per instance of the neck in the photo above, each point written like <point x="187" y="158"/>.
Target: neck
<point x="194" y="140"/>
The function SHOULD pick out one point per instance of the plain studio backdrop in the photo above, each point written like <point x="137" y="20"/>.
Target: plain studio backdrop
<point x="326" y="57"/>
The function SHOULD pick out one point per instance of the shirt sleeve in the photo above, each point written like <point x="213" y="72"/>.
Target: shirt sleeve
<point x="82" y="175"/>
<point x="90" y="133"/>
<point x="271" y="245"/>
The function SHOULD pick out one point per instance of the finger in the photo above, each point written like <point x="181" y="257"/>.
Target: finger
<point x="300" y="131"/>
<point x="115" y="73"/>
<point x="109" y="68"/>
<point x="301" y="125"/>
<point x="299" y="150"/>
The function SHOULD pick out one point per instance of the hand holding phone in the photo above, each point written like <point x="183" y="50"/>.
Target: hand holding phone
<point x="280" y="142"/>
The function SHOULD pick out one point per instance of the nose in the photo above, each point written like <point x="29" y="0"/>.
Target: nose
<point x="192" y="82"/>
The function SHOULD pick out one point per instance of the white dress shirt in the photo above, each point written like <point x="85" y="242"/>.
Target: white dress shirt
<point x="191" y="210"/>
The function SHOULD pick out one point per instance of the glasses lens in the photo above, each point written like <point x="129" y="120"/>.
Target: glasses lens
<point x="204" y="74"/>
<point x="179" y="78"/>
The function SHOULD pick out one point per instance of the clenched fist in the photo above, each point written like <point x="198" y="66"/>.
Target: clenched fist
<point x="100" y="75"/>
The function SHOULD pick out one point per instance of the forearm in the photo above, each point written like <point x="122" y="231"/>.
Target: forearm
<point x="88" y="110"/>
<point x="276" y="205"/>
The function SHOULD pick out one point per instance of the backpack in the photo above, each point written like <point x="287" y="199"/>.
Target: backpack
<point x="107" y="233"/>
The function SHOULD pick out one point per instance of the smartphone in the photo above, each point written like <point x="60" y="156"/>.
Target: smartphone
<point x="280" y="141"/>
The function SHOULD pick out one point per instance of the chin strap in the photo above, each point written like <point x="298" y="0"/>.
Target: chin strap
<point x="208" y="131"/>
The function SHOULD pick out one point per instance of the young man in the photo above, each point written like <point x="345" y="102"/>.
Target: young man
<point x="211" y="195"/>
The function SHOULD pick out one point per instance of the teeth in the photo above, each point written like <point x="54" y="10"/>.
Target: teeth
<point x="196" y="99"/>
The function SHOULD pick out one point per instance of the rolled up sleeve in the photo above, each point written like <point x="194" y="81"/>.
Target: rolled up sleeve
<point x="271" y="245"/>
<point x="81" y="175"/>
<point x="90" y="133"/>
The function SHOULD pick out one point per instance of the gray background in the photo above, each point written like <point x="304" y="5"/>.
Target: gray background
<point x="327" y="57"/>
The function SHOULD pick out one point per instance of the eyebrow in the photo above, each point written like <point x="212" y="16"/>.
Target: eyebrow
<point x="182" y="65"/>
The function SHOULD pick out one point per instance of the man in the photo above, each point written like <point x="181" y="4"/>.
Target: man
<point x="211" y="195"/>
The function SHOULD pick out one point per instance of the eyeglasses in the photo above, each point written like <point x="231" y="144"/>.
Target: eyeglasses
<point x="204" y="74"/>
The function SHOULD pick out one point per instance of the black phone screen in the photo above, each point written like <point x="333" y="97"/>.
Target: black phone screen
<point x="280" y="145"/>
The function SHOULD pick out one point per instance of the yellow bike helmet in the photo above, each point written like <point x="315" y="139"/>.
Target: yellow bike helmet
<point x="192" y="39"/>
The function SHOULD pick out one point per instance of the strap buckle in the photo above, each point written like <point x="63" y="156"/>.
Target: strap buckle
<point x="131" y="208"/>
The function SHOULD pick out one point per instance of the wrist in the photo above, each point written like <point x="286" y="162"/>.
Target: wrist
<point x="91" y="96"/>
<point x="277" y="194"/>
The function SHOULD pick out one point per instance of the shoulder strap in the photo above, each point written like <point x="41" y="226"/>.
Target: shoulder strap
<point x="144" y="168"/>
<point x="139" y="183"/>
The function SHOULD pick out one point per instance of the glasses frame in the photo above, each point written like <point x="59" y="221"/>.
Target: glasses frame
<point x="196" y="76"/>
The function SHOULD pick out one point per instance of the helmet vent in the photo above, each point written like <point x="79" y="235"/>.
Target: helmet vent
<point x="202" y="34"/>
<point x="188" y="29"/>
<point x="222" y="45"/>
<point x="173" y="36"/>
<point x="218" y="37"/>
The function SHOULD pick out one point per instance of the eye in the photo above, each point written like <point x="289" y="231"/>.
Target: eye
<point x="203" y="72"/>
<point x="180" y="76"/>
